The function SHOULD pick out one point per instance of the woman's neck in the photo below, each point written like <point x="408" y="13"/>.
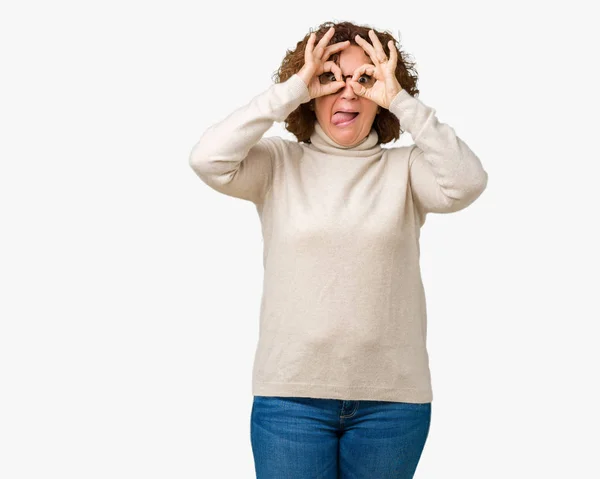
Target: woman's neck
<point x="366" y="147"/>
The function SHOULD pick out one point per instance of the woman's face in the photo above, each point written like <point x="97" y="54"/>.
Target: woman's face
<point x="347" y="129"/>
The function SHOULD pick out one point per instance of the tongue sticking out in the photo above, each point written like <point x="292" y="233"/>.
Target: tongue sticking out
<point x="341" y="117"/>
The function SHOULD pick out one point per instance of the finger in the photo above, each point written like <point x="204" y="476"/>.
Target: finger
<point x="332" y="67"/>
<point x="393" y="55"/>
<point x="333" y="87"/>
<point x="326" y="37"/>
<point x="309" y="47"/>
<point x="331" y="49"/>
<point x="381" y="56"/>
<point x="359" y="89"/>
<point x="367" y="69"/>
<point x="367" y="47"/>
<point x="324" y="41"/>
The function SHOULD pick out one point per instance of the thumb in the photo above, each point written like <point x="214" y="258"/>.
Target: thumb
<point x="358" y="89"/>
<point x="333" y="87"/>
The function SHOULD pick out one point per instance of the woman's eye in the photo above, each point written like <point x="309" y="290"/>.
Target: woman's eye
<point x="327" y="77"/>
<point x="368" y="80"/>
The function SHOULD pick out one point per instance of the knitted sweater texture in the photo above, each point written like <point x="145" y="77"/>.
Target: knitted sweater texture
<point x="343" y="312"/>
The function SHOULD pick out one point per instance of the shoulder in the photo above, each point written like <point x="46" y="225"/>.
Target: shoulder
<point x="282" y="148"/>
<point x="399" y="153"/>
<point x="281" y="143"/>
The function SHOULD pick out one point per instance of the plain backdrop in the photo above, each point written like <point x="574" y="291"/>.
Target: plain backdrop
<point x="130" y="290"/>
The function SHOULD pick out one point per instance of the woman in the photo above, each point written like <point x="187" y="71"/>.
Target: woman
<point x="341" y="378"/>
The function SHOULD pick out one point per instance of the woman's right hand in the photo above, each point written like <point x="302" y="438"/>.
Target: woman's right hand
<point x="315" y="64"/>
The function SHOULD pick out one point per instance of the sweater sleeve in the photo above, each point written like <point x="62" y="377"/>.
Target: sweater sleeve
<point x="445" y="175"/>
<point x="232" y="157"/>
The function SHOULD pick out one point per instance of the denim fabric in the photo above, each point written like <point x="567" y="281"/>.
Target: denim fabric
<point x="313" y="438"/>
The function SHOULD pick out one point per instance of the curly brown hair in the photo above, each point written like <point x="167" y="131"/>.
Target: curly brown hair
<point x="301" y="121"/>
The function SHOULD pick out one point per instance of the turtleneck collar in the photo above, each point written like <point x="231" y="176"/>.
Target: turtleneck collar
<point x="322" y="142"/>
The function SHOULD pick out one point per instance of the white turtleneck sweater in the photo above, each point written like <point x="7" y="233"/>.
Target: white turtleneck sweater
<point x="343" y="313"/>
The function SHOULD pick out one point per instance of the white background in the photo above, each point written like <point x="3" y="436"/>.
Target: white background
<point x="130" y="290"/>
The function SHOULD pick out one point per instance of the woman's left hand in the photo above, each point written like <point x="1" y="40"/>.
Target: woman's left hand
<point x="383" y="70"/>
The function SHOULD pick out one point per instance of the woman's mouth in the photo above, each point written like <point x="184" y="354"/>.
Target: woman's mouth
<point x="344" y="118"/>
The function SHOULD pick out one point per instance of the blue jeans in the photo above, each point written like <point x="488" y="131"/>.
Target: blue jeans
<point x="312" y="438"/>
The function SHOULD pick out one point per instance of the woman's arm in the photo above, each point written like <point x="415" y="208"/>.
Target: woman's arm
<point x="232" y="157"/>
<point x="445" y="175"/>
